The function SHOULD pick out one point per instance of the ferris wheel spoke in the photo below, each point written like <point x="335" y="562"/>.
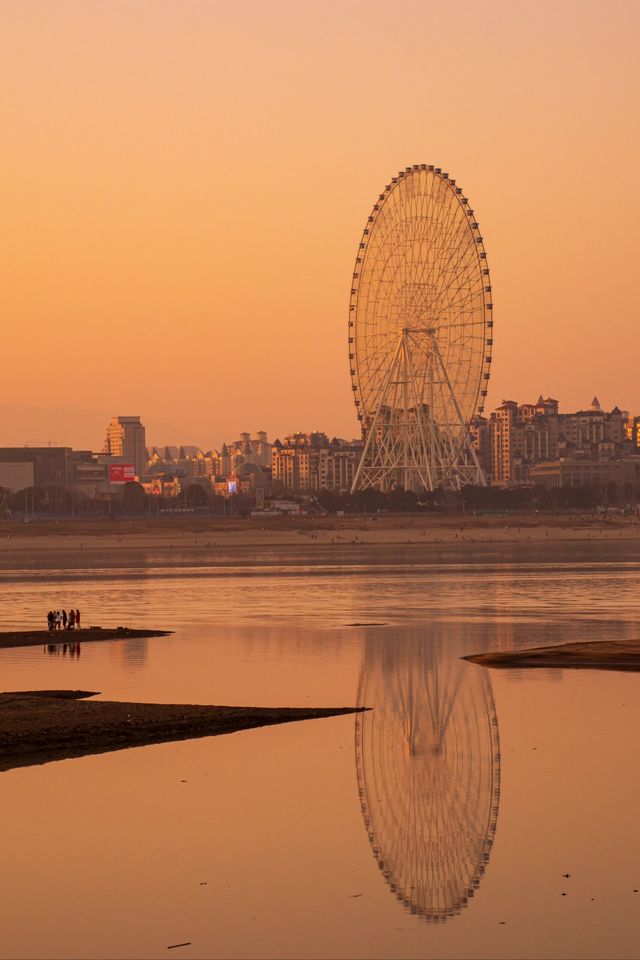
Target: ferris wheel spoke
<point x="448" y="239"/>
<point x="443" y="226"/>
<point x="458" y="268"/>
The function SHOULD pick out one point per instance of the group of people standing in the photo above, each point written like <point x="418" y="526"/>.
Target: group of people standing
<point x="61" y="620"/>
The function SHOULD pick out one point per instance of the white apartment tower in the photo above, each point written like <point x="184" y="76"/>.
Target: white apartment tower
<point x="126" y="438"/>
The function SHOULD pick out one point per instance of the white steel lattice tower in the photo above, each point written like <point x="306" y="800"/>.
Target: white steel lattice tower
<point x="420" y="335"/>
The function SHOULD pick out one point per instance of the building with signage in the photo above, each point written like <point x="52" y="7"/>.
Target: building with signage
<point x="126" y="438"/>
<point x="120" y="473"/>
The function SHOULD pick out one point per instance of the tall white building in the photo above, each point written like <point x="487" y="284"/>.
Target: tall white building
<point x="126" y="438"/>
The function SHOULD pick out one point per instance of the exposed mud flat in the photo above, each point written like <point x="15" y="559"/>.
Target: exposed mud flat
<point x="37" y="726"/>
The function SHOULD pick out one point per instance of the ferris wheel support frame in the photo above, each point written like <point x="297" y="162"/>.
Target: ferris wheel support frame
<point x="408" y="442"/>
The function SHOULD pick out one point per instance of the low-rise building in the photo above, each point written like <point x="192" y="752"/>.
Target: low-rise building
<point x="50" y="466"/>
<point x="620" y="479"/>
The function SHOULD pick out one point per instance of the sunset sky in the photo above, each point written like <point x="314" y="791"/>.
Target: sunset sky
<point x="185" y="184"/>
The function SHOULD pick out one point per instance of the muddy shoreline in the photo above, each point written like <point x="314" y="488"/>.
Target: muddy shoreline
<point x="38" y="726"/>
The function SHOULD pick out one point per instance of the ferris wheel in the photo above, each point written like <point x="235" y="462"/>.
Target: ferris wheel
<point x="428" y="768"/>
<point x="420" y="334"/>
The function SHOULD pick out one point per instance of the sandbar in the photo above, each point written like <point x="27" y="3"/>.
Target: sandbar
<point x="590" y="655"/>
<point x="38" y="726"/>
<point x="32" y="638"/>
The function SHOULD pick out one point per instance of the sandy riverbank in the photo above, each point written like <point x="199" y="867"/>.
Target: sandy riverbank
<point x="594" y="655"/>
<point x="42" y="725"/>
<point x="204" y="534"/>
<point x="33" y="638"/>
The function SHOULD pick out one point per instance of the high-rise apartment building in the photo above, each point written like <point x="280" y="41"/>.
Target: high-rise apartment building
<point x="301" y="462"/>
<point x="502" y="427"/>
<point x="126" y="438"/>
<point x="310" y="461"/>
<point x="530" y="433"/>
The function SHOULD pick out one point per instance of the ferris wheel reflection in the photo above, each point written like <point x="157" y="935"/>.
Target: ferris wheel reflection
<point x="428" y="767"/>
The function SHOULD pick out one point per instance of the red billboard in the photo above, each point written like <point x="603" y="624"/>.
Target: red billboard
<point x="121" y="472"/>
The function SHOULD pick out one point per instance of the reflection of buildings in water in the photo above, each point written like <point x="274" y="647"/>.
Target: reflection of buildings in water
<point x="428" y="766"/>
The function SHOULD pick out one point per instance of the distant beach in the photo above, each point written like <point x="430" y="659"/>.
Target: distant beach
<point x="203" y="533"/>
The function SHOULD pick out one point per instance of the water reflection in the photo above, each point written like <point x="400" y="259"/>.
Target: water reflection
<point x="62" y="649"/>
<point x="131" y="653"/>
<point x="428" y="766"/>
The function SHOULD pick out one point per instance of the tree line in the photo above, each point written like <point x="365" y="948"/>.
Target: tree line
<point x="132" y="500"/>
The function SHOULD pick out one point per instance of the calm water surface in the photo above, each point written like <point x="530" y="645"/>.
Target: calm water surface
<point x="439" y="824"/>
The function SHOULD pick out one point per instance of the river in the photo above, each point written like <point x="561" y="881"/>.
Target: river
<point x="442" y="823"/>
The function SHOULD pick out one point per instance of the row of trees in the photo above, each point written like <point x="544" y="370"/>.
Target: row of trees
<point x="493" y="499"/>
<point x="132" y="500"/>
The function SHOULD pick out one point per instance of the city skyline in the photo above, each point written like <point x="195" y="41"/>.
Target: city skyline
<point x="91" y="429"/>
<point x="211" y="271"/>
<point x="529" y="444"/>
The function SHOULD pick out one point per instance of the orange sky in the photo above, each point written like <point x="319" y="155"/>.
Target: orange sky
<point x="185" y="184"/>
